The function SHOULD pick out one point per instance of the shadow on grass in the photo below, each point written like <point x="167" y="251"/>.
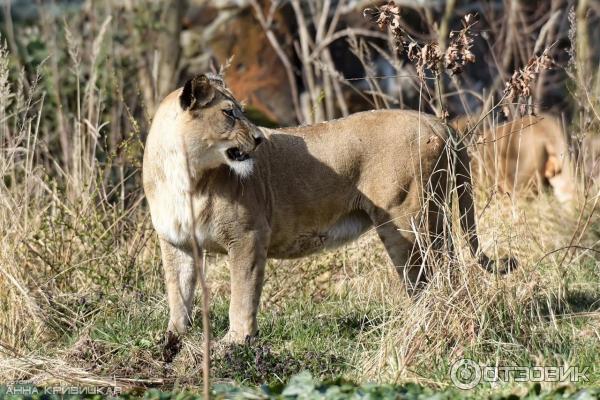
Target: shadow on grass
<point x="356" y="322"/>
<point x="582" y="301"/>
<point x="575" y="301"/>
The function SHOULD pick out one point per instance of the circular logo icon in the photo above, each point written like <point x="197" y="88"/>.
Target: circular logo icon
<point x="465" y="374"/>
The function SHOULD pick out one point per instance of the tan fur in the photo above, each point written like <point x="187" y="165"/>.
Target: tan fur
<point x="524" y="156"/>
<point x="311" y="188"/>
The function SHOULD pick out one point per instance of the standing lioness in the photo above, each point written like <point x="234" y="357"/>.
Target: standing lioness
<point x="288" y="193"/>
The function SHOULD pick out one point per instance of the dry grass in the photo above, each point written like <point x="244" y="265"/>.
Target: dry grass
<point x="100" y="312"/>
<point x="82" y="292"/>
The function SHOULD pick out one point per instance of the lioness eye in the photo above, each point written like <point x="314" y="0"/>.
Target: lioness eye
<point x="228" y="112"/>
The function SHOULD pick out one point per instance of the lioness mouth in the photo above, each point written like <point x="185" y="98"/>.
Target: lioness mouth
<point x="235" y="154"/>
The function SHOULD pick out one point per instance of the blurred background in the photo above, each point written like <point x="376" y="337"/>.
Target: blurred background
<point x="102" y="66"/>
<point x="290" y="61"/>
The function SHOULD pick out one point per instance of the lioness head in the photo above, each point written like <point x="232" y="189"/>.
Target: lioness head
<point x="214" y="127"/>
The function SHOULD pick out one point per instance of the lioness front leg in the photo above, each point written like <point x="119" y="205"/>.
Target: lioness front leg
<point x="180" y="279"/>
<point x="247" y="260"/>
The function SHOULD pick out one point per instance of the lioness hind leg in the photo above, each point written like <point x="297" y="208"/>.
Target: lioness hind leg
<point x="404" y="254"/>
<point x="180" y="279"/>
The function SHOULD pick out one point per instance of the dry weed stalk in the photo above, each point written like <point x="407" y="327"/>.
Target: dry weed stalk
<point x="427" y="56"/>
<point x="448" y="56"/>
<point x="200" y="264"/>
<point x="520" y="83"/>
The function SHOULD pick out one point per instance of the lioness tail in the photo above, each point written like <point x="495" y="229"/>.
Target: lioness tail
<point x="467" y="214"/>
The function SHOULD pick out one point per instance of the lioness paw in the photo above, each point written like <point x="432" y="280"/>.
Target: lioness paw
<point x="171" y="347"/>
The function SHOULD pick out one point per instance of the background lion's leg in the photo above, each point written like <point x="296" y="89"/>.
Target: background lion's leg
<point x="180" y="279"/>
<point x="247" y="265"/>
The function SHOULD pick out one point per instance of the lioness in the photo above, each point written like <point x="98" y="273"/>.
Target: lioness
<point x="258" y="193"/>
<point x="524" y="156"/>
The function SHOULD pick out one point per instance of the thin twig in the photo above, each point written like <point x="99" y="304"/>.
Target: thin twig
<point x="205" y="292"/>
<point x="282" y="57"/>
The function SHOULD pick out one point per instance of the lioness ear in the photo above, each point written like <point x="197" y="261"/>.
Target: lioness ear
<point x="197" y="92"/>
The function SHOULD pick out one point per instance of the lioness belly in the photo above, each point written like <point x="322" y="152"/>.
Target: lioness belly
<point x="346" y="229"/>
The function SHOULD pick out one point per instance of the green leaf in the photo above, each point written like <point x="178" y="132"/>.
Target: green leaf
<point x="302" y="383"/>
